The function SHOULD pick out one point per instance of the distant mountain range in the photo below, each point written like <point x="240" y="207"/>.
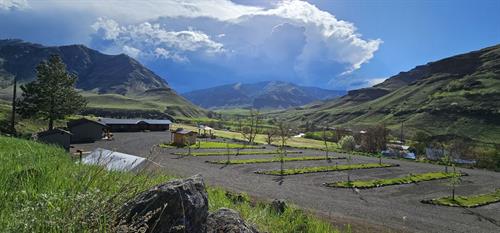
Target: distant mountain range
<point x="111" y="82"/>
<point x="271" y="94"/>
<point x="459" y="96"/>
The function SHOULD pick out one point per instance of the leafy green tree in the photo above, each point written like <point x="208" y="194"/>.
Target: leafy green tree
<point x="52" y="95"/>
<point x="347" y="143"/>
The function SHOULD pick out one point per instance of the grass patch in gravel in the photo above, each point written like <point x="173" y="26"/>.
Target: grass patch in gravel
<point x="213" y="145"/>
<point x="343" y="167"/>
<point x="272" y="160"/>
<point x="43" y="190"/>
<point x="412" y="178"/>
<point x="467" y="201"/>
<point x="224" y="153"/>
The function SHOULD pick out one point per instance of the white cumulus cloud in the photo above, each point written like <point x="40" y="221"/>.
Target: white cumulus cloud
<point x="152" y="39"/>
<point x="13" y="4"/>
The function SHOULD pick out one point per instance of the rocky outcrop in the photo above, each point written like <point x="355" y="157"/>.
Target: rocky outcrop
<point x="178" y="206"/>
<point x="227" y="221"/>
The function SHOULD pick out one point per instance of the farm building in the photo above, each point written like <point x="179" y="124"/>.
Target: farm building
<point x="134" y="125"/>
<point x="205" y="131"/>
<point x="85" y="130"/>
<point x="184" y="137"/>
<point x="57" y="137"/>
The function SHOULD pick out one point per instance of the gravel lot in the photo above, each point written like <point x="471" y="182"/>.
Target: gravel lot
<point x="394" y="208"/>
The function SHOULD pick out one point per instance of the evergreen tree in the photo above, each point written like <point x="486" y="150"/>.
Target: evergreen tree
<point x="52" y="95"/>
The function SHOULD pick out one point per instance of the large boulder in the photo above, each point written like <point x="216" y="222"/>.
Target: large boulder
<point x="227" y="221"/>
<point x="176" y="206"/>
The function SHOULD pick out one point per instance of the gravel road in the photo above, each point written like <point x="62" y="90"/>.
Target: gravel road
<point x="387" y="209"/>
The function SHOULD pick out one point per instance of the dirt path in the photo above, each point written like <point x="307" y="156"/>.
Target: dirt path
<point x="387" y="209"/>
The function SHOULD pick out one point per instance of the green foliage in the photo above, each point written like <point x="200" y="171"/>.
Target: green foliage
<point x="214" y="145"/>
<point x="347" y="143"/>
<point x="43" y="190"/>
<point x="271" y="160"/>
<point x="237" y="153"/>
<point x="52" y="95"/>
<point x="344" y="167"/>
<point x="467" y="201"/>
<point x="412" y="178"/>
<point x="318" y="135"/>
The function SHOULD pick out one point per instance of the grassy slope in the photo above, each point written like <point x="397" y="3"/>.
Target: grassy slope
<point x="43" y="190"/>
<point x="161" y="101"/>
<point x="438" y="105"/>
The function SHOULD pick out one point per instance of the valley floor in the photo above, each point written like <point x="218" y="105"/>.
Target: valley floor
<point x="386" y="209"/>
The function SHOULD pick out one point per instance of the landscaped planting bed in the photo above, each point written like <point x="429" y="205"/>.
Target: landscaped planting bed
<point x="467" y="201"/>
<point x="412" y="178"/>
<point x="272" y="160"/>
<point x="213" y="145"/>
<point x="224" y="153"/>
<point x="296" y="171"/>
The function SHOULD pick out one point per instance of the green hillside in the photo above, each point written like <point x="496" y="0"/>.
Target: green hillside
<point x="459" y="95"/>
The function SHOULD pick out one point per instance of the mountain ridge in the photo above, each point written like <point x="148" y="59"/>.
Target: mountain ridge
<point x="100" y="78"/>
<point x="457" y="95"/>
<point x="267" y="94"/>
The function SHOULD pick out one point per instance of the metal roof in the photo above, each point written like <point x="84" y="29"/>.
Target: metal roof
<point x="183" y="131"/>
<point x="113" y="160"/>
<point x="113" y="121"/>
<point x="53" y="131"/>
<point x="80" y="121"/>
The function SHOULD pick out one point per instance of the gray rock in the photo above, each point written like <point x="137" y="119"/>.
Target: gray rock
<point x="278" y="205"/>
<point x="228" y="221"/>
<point x="176" y="206"/>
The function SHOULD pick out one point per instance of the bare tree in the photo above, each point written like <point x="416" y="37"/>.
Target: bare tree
<point x="228" y="152"/>
<point x="376" y="138"/>
<point x="250" y="129"/>
<point x="325" y="140"/>
<point x="271" y="134"/>
<point x="284" y="132"/>
<point x="454" y="181"/>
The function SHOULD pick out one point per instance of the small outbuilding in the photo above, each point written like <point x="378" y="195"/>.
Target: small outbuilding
<point x="85" y="130"/>
<point x="58" y="137"/>
<point x="134" y="125"/>
<point x="205" y="131"/>
<point x="184" y="137"/>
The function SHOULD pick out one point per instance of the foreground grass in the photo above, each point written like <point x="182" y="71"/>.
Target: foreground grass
<point x="213" y="145"/>
<point x="467" y="201"/>
<point x="235" y="153"/>
<point x="296" y="171"/>
<point x="412" y="178"/>
<point x="43" y="190"/>
<point x="272" y="160"/>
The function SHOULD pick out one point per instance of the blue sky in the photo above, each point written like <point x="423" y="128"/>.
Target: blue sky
<point x="203" y="43"/>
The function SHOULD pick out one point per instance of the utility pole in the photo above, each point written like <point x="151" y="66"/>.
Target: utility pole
<point x="13" y="116"/>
